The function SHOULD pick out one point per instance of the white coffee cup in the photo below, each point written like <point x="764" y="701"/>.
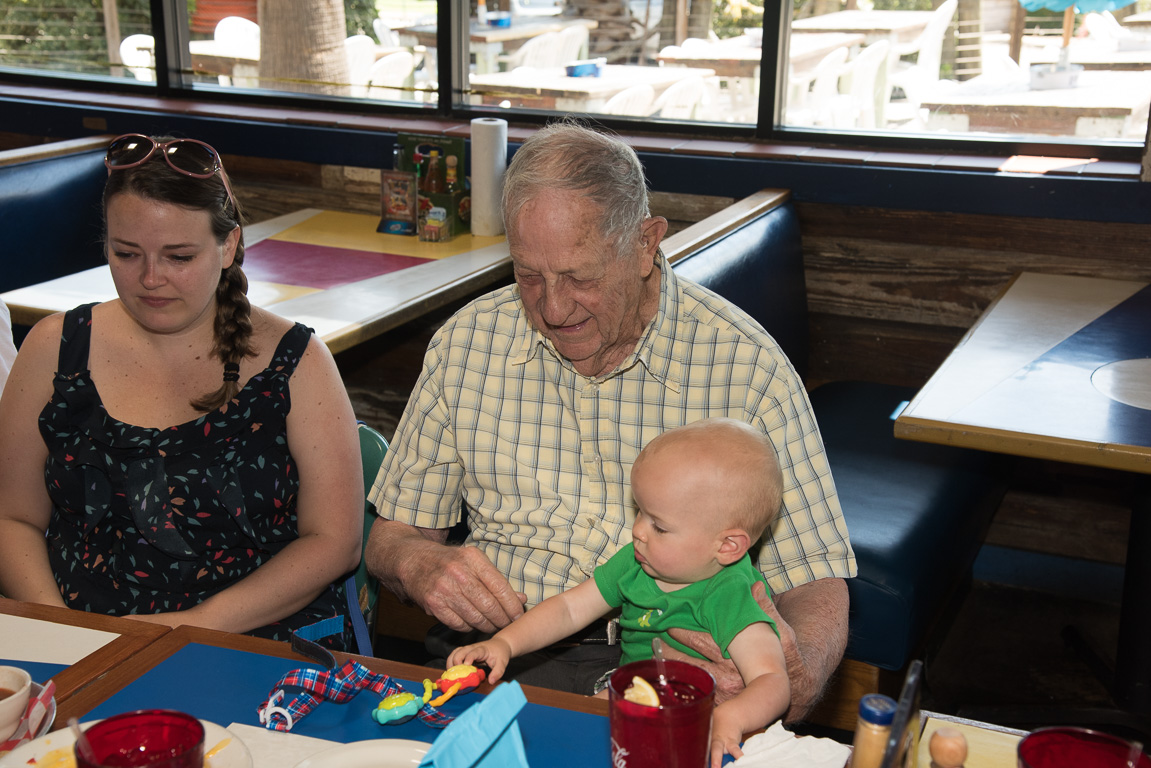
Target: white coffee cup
<point x="12" y="707"/>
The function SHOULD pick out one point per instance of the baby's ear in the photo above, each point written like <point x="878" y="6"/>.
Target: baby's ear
<point x="733" y="544"/>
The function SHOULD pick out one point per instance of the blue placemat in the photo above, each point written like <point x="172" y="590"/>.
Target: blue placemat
<point x="40" y="671"/>
<point x="226" y="686"/>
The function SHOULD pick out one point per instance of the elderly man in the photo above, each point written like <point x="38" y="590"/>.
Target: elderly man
<point x="535" y="400"/>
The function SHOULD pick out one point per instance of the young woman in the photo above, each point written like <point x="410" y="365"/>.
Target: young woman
<point x="176" y="454"/>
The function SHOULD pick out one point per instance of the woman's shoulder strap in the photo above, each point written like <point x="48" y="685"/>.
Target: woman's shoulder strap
<point x="75" y="339"/>
<point x="291" y="348"/>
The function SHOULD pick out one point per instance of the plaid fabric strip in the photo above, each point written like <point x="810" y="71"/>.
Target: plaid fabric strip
<point x="337" y="685"/>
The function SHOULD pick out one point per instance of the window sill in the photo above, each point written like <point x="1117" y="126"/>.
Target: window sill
<point x="684" y="146"/>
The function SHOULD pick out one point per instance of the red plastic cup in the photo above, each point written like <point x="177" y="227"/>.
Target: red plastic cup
<point x="1071" y="747"/>
<point x="149" y="738"/>
<point x="675" y="734"/>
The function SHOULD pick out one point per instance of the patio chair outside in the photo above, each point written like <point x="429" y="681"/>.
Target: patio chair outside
<point x="361" y="52"/>
<point x="916" y="80"/>
<point x="812" y="96"/>
<point x="239" y="37"/>
<point x="863" y="105"/>
<point x="683" y="100"/>
<point x="636" y="100"/>
<point x="539" y="52"/>
<point x="390" y="77"/>
<point x="138" y="54"/>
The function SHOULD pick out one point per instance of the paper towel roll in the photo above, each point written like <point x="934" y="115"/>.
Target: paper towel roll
<point x="489" y="160"/>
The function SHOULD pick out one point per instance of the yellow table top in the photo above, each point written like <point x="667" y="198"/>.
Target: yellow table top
<point x="343" y="314"/>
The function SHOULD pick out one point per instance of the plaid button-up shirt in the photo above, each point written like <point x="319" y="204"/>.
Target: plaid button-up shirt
<point x="542" y="456"/>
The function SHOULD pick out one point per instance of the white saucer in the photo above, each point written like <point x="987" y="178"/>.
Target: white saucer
<point x="375" y="753"/>
<point x="222" y="749"/>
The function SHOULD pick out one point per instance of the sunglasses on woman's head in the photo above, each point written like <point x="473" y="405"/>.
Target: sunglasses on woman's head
<point x="187" y="156"/>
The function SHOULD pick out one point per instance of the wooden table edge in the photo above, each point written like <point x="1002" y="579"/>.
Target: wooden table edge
<point x="133" y="637"/>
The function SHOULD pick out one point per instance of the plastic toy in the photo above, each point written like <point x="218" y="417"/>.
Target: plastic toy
<point x="462" y="678"/>
<point x="401" y="707"/>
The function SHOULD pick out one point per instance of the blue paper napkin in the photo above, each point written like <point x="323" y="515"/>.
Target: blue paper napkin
<point x="486" y="735"/>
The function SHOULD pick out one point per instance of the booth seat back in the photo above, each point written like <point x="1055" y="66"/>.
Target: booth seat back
<point x="759" y="268"/>
<point x="50" y="217"/>
<point x="915" y="513"/>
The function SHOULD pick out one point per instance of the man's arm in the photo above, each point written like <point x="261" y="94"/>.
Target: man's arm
<point x="812" y="624"/>
<point x="815" y="617"/>
<point x="457" y="585"/>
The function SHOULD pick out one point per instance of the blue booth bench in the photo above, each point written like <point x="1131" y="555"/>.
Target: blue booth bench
<point x="916" y="513"/>
<point x="50" y="210"/>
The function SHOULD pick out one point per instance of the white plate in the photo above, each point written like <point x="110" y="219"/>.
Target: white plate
<point x="376" y="753"/>
<point x="55" y="750"/>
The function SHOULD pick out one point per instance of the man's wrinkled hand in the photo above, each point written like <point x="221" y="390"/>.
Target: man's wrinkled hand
<point x="728" y="682"/>
<point x="461" y="588"/>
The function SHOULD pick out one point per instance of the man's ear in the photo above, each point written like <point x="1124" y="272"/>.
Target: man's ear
<point x="651" y="235"/>
<point x="733" y="544"/>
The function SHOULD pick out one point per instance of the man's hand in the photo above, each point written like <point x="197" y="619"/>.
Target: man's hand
<point x="461" y="588"/>
<point x="457" y="585"/>
<point x="728" y="682"/>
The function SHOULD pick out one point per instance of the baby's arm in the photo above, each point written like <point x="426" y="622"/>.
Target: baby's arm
<point x="758" y="655"/>
<point x="550" y="621"/>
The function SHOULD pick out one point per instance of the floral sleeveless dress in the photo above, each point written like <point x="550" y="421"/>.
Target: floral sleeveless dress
<point x="154" y="520"/>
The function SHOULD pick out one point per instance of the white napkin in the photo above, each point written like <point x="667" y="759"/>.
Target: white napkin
<point x="780" y="748"/>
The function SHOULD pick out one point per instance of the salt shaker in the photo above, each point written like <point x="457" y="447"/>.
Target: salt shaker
<point x="872" y="730"/>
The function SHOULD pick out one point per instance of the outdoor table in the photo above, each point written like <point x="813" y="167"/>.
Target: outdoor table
<point x="1059" y="368"/>
<point x="1092" y="55"/>
<point x="329" y="270"/>
<point x="740" y="56"/>
<point x="488" y="42"/>
<point x="551" y="88"/>
<point x="1103" y="104"/>
<point x="894" y="26"/>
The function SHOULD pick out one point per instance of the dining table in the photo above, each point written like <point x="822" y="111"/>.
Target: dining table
<point x="72" y="648"/>
<point x="551" y="88"/>
<point x="1092" y="55"/>
<point x="1102" y="104"/>
<point x="740" y="56"/>
<point x="487" y="41"/>
<point x="224" y="678"/>
<point x="1058" y="368"/>
<point x="330" y="270"/>
<point x="874" y="25"/>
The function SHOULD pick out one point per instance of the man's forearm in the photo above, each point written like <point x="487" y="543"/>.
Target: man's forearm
<point x="392" y="545"/>
<point x="817" y="612"/>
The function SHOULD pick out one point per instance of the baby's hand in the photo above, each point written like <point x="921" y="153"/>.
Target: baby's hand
<point x="725" y="738"/>
<point x="493" y="653"/>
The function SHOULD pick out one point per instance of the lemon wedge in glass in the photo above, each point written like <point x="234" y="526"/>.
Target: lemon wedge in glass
<point x="641" y="692"/>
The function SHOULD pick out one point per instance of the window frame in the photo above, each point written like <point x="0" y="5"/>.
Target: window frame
<point x="170" y="25"/>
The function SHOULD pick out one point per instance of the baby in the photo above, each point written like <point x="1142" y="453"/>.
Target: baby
<point x="704" y="494"/>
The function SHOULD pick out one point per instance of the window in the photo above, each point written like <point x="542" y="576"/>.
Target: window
<point x="904" y="72"/>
